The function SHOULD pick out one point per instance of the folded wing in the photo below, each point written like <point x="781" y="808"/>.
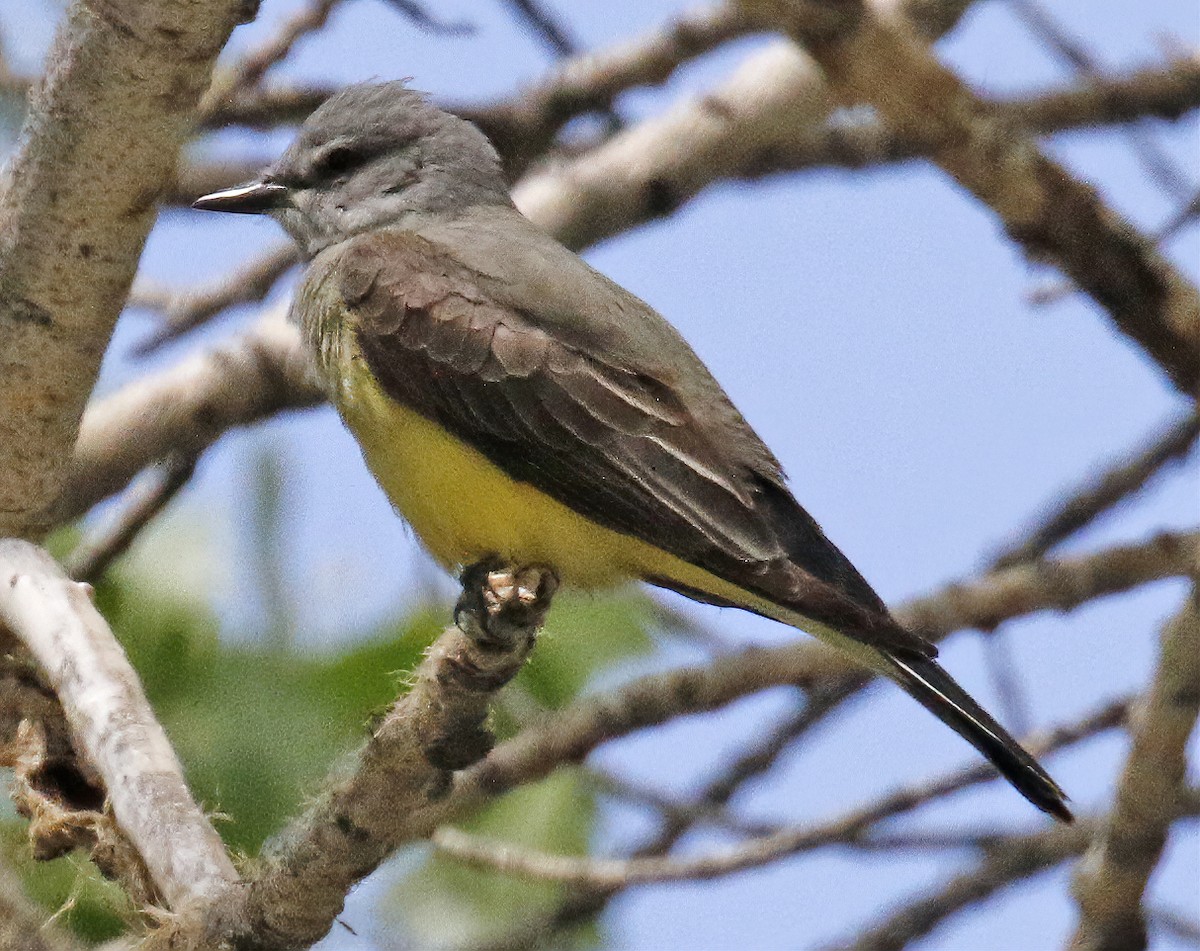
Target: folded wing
<point x="616" y="443"/>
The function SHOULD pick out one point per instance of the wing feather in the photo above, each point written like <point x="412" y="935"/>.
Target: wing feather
<point x="614" y="442"/>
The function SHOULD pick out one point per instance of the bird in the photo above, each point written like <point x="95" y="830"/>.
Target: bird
<point x="516" y="404"/>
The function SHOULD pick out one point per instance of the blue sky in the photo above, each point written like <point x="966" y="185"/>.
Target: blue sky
<point x="874" y="328"/>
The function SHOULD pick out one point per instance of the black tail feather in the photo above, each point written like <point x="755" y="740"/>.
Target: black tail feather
<point x="930" y="685"/>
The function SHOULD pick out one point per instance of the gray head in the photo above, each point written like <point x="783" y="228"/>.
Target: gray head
<point x="371" y="156"/>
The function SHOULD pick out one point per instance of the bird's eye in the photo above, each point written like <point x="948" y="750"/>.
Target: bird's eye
<point x="338" y="160"/>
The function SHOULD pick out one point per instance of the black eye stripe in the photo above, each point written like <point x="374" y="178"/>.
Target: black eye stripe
<point x="338" y="160"/>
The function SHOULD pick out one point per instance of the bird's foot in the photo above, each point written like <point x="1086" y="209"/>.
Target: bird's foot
<point x="500" y="602"/>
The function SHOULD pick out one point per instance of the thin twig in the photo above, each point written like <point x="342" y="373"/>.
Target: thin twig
<point x="688" y="813"/>
<point x="1006" y="681"/>
<point x="545" y="26"/>
<point x="1011" y="862"/>
<point x="1116" y="482"/>
<point x="1017" y="859"/>
<point x="183" y="311"/>
<point x="100" y="548"/>
<point x="251" y="68"/>
<point x="1175" y="924"/>
<point x="622" y="873"/>
<point x="421" y="17"/>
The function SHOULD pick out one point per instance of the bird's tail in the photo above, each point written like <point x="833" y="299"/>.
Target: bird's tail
<point x="927" y="683"/>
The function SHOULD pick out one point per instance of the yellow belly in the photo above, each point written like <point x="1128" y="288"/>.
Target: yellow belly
<point x="463" y="508"/>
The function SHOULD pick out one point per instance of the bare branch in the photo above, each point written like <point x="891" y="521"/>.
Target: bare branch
<point x="183" y="311"/>
<point x="690" y="814"/>
<point x="421" y="18"/>
<point x="611" y="874"/>
<point x="114" y="105"/>
<point x="1059" y="584"/>
<point x="404" y="771"/>
<point x="1086" y="503"/>
<point x="113" y="724"/>
<point x="1072" y="52"/>
<point x="250" y="70"/>
<point x="1055" y="218"/>
<point x="545" y="26"/>
<point x="1110" y="883"/>
<point x="1167" y="92"/>
<point x="1011" y="862"/>
<point x="579" y="729"/>
<point x="1008" y="863"/>
<point x="97" y="550"/>
<point x="186" y="408"/>
<point x="1175" y="924"/>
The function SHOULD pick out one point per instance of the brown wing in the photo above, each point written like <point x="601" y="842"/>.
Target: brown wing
<point x="612" y="442"/>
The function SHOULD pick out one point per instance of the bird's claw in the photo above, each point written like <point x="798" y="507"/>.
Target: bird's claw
<point x="500" y="601"/>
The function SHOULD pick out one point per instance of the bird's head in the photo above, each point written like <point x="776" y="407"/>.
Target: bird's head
<point x="371" y="156"/>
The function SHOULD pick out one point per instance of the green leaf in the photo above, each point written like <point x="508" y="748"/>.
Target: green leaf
<point x="584" y="635"/>
<point x="71" y="888"/>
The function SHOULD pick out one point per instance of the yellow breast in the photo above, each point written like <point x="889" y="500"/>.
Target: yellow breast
<point x="463" y="507"/>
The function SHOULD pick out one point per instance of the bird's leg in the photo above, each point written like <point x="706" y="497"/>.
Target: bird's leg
<point x="500" y="602"/>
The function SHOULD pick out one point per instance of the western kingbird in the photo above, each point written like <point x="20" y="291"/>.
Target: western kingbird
<point x="515" y="403"/>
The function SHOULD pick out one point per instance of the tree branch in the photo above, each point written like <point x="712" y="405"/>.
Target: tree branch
<point x="113" y="107"/>
<point x="1123" y="478"/>
<point x="613" y="874"/>
<point x="1110" y="883"/>
<point x="1008" y="863"/>
<point x="878" y="60"/>
<point x="98" y="549"/>
<point x="251" y="68"/>
<point x="405" y="769"/>
<point x="186" y="408"/>
<point x="184" y="310"/>
<point x="112" y="725"/>
<point x="576" y="731"/>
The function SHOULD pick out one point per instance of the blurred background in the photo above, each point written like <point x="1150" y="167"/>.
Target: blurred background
<point x="929" y="391"/>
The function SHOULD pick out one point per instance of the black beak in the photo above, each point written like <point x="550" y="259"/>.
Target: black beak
<point x="253" y="199"/>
